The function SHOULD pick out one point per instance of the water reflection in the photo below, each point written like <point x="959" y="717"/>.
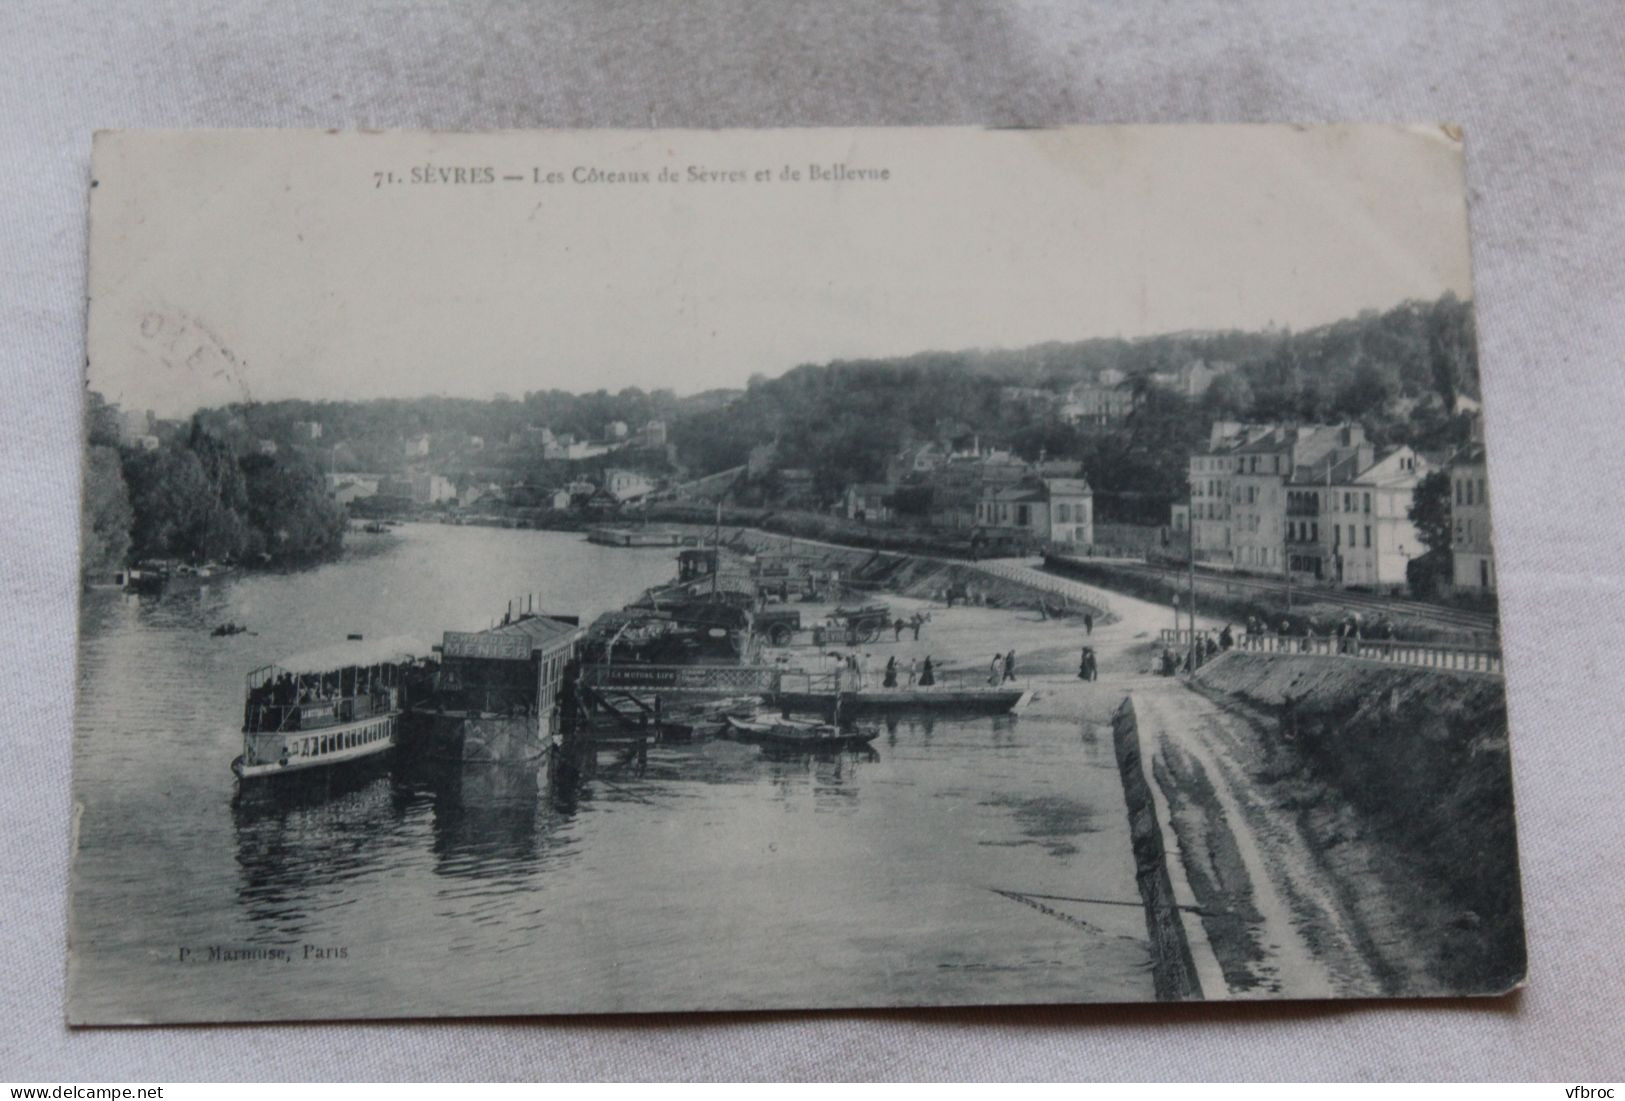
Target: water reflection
<point x="670" y="882"/>
<point x="488" y="818"/>
<point x="293" y="846"/>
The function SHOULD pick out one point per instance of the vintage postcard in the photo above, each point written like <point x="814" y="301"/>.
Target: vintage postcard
<point x="539" y="573"/>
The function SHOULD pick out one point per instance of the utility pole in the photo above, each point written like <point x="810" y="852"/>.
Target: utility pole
<point x="716" y="552"/>
<point x="1286" y="560"/>
<point x="1190" y="543"/>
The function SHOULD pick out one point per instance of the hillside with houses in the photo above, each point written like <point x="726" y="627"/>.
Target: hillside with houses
<point x="1261" y="447"/>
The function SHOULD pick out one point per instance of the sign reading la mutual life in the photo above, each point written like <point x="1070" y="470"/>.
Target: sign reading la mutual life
<point x="1090" y="592"/>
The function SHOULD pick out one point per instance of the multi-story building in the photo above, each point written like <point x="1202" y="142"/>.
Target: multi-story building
<point x="869" y="501"/>
<point x="1096" y="404"/>
<point x="1373" y="538"/>
<point x="1210" y="500"/>
<point x="1051" y="510"/>
<point x="958" y="481"/>
<point x="1472" y="557"/>
<point x="1258" y="491"/>
<point x="431" y="489"/>
<point x="1348" y="517"/>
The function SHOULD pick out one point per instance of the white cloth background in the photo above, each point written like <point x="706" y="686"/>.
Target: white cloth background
<point x="1540" y="88"/>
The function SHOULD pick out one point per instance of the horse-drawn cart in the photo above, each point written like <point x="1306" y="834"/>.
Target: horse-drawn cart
<point x="855" y="625"/>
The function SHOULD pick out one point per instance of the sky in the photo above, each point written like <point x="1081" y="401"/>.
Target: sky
<point x="261" y="265"/>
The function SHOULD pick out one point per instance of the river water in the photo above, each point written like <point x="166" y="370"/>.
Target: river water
<point x="712" y="879"/>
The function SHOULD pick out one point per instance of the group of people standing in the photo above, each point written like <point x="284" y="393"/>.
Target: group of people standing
<point x="854" y="671"/>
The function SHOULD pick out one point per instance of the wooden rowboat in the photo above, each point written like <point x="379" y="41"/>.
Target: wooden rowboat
<point x="775" y="732"/>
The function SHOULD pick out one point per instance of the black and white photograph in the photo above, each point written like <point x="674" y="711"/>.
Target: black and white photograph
<point x="578" y="572"/>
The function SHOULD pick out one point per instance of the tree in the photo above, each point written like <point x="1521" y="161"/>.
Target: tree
<point x="107" y="518"/>
<point x="1430" y="510"/>
<point x="294" y="521"/>
<point x="171" y="498"/>
<point x="1366" y="392"/>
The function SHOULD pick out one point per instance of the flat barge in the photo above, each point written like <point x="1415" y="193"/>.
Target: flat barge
<point x="978" y="701"/>
<point x="634" y="537"/>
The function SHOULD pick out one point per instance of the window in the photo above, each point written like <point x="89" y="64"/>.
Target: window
<point x="1351" y="536"/>
<point x="1063" y="513"/>
<point x="1368" y="502"/>
<point x="1368" y="536"/>
<point x="1458" y="491"/>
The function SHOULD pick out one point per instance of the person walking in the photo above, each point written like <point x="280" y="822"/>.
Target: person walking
<point x="1226" y="639"/>
<point x="1088" y="623"/>
<point x="1086" y="665"/>
<point x="928" y="675"/>
<point x="912" y="671"/>
<point x="914" y="621"/>
<point x="897" y="629"/>
<point x="1010" y="665"/>
<point x="996" y="671"/>
<point x="890" y="680"/>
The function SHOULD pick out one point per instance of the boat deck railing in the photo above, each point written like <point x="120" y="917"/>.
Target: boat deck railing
<point x="311" y="714"/>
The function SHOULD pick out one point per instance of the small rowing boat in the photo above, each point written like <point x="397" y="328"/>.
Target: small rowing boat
<point x="775" y="732"/>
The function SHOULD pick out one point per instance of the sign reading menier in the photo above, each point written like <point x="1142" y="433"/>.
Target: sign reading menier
<point x="492" y="647"/>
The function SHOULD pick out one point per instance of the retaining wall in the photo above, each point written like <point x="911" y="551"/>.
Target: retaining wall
<point x="1173" y="971"/>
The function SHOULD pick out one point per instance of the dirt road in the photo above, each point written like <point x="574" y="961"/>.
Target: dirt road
<point x="1277" y="918"/>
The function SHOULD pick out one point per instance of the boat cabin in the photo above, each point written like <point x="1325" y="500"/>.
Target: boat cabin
<point x="336" y="684"/>
<point x="696" y="562"/>
<point x="518" y="664"/>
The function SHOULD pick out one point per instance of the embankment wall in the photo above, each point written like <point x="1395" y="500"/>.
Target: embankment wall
<point x="905" y="573"/>
<point x="1173" y="971"/>
<point x="1422" y="755"/>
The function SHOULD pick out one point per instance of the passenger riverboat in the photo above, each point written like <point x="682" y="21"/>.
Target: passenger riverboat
<point x="339" y="705"/>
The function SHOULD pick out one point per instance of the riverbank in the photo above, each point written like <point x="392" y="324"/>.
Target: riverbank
<point x="1371" y="852"/>
<point x="1379" y="801"/>
<point x="1239" y="599"/>
<point x="918" y="577"/>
